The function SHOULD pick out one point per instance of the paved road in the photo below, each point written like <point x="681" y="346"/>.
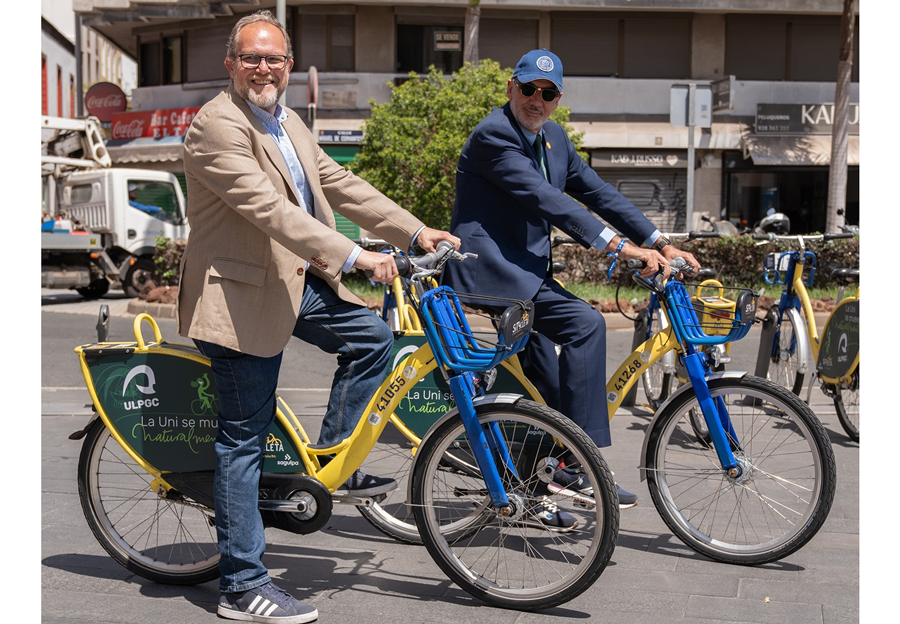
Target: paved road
<point x="354" y="574"/>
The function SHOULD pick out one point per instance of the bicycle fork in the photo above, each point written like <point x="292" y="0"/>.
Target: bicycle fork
<point x="485" y="440"/>
<point x="715" y="413"/>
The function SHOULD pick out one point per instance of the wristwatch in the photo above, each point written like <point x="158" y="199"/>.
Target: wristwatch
<point x="661" y="243"/>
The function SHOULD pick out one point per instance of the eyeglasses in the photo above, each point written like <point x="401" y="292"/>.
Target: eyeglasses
<point x="528" y="89"/>
<point x="252" y="61"/>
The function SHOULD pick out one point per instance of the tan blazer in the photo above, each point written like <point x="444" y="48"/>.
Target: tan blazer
<point x="242" y="273"/>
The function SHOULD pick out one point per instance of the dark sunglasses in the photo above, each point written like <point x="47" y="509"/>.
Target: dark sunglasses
<point x="528" y="89"/>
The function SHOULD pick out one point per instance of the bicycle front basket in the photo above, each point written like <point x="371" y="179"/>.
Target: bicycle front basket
<point x="702" y="324"/>
<point x="454" y="343"/>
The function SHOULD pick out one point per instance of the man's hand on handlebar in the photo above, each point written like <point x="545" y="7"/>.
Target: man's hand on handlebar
<point x="379" y="267"/>
<point x="653" y="261"/>
<point x="670" y="252"/>
<point x="429" y="238"/>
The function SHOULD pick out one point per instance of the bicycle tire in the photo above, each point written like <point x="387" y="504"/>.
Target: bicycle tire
<point x="783" y="369"/>
<point x="131" y="521"/>
<point x="846" y="404"/>
<point x="544" y="567"/>
<point x="786" y="490"/>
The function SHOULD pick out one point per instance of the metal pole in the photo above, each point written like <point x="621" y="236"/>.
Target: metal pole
<point x="689" y="213"/>
<point x="281" y="14"/>
<point x="79" y="86"/>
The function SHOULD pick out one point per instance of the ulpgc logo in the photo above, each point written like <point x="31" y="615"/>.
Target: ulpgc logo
<point x="139" y="379"/>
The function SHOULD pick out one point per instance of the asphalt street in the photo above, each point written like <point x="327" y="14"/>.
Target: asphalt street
<point x="352" y="573"/>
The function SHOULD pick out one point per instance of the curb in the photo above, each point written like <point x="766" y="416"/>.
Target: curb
<point x="156" y="310"/>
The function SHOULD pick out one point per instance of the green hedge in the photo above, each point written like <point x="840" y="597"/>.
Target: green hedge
<point x="738" y="260"/>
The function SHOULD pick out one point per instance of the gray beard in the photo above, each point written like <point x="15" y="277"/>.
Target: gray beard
<point x="259" y="100"/>
<point x="263" y="101"/>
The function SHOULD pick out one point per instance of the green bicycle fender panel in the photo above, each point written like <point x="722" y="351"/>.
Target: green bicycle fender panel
<point x="165" y="407"/>
<point x="840" y="341"/>
<point x="430" y="398"/>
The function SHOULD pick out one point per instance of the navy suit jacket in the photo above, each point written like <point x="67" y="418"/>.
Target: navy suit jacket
<point x="505" y="209"/>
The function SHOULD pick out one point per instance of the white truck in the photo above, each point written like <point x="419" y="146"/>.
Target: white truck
<point x="100" y="223"/>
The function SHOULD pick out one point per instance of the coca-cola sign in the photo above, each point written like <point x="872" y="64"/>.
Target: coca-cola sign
<point x="104" y="99"/>
<point x="153" y="123"/>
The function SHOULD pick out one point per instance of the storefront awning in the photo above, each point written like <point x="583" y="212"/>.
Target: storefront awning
<point x="803" y="150"/>
<point x="657" y="135"/>
<point x="146" y="150"/>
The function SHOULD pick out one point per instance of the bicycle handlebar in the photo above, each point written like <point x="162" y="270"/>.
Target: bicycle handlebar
<point x="678" y="265"/>
<point x="801" y="237"/>
<point x="692" y="235"/>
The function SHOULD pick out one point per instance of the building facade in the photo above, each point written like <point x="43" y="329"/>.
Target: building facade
<point x="774" y="66"/>
<point x="101" y="60"/>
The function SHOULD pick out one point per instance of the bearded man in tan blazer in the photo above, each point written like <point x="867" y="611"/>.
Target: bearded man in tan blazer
<point x="264" y="262"/>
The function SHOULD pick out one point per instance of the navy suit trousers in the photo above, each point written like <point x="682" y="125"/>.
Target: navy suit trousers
<point x="573" y="383"/>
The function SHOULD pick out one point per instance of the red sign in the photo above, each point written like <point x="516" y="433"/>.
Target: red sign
<point x="104" y="99"/>
<point x="155" y="123"/>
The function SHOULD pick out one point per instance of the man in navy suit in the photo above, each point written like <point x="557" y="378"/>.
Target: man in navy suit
<point x="516" y="179"/>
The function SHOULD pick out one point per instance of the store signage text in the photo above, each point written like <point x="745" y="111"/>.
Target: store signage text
<point x="634" y="158"/>
<point x="801" y="118"/>
<point x="341" y="136"/>
<point x="156" y="123"/>
<point x="447" y="41"/>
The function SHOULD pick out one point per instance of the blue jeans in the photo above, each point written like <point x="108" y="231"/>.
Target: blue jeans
<point x="575" y="382"/>
<point x="246" y="384"/>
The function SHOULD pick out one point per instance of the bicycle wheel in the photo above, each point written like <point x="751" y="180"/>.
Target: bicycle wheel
<point x="392" y="457"/>
<point x="788" y="474"/>
<point x="846" y="403"/>
<point x="785" y="360"/>
<point x="657" y="383"/>
<point x="515" y="561"/>
<point x="165" y="540"/>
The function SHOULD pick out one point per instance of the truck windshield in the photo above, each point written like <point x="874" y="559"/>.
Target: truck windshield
<point x="157" y="199"/>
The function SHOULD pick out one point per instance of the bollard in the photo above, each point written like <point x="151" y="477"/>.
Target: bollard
<point x="641" y="325"/>
<point x="103" y="324"/>
<point x="766" y="341"/>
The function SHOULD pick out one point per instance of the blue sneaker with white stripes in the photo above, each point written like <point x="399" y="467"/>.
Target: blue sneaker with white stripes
<point x="268" y="604"/>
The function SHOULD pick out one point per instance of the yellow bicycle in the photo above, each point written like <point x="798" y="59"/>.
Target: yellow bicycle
<point x="479" y="480"/>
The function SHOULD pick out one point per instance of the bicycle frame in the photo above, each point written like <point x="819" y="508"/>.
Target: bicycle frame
<point x="132" y="432"/>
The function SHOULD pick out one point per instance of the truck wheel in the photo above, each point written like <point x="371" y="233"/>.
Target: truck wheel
<point x="138" y="275"/>
<point x="95" y="289"/>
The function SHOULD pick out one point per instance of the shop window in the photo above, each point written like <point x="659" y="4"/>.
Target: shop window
<point x="326" y="42"/>
<point x="799" y="192"/>
<point x="419" y="47"/>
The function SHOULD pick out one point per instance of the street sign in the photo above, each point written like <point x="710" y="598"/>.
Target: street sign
<point x="678" y="106"/>
<point x="353" y="137"/>
<point x="723" y="94"/>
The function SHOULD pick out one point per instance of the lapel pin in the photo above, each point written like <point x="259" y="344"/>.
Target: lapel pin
<point x="548" y="145"/>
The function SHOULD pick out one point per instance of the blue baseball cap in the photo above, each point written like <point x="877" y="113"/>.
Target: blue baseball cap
<point x="540" y="65"/>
